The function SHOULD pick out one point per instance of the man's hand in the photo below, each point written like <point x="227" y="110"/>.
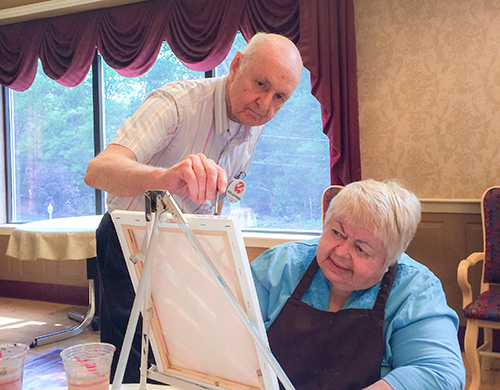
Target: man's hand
<point x="116" y="170"/>
<point x="196" y="176"/>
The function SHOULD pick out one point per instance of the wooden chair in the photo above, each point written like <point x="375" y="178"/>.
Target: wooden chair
<point x="484" y="310"/>
<point x="327" y="197"/>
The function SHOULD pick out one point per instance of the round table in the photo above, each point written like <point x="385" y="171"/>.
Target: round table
<point x="60" y="239"/>
<point x="55" y="239"/>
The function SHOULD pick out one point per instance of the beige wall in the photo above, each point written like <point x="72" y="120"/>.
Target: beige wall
<point x="429" y="94"/>
<point x="429" y="114"/>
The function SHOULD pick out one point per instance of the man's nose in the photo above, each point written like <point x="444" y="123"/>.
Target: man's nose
<point x="265" y="101"/>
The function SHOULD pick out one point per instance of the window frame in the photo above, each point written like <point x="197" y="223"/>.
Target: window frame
<point x="10" y="206"/>
<point x="99" y="122"/>
<point x="98" y="131"/>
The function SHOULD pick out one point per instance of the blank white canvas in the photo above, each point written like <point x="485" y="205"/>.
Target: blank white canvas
<point x="197" y="333"/>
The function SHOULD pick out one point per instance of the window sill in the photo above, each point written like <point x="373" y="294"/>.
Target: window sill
<point x="7" y="228"/>
<point x="269" y="239"/>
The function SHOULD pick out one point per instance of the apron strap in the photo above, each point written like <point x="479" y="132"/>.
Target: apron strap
<point x="306" y="280"/>
<point x="385" y="288"/>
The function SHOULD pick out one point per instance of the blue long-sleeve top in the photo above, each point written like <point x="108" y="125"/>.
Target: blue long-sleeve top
<point x="420" y="329"/>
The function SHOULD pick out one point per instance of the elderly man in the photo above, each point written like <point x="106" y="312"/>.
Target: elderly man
<point x="190" y="138"/>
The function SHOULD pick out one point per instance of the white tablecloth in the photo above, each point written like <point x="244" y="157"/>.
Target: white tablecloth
<point x="55" y="239"/>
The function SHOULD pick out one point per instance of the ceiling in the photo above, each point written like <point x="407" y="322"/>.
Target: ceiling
<point x="14" y="11"/>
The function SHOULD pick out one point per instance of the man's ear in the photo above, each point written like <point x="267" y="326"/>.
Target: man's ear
<point x="236" y="62"/>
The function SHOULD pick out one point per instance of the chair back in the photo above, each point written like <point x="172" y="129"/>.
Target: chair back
<point x="327" y="197"/>
<point x="491" y="230"/>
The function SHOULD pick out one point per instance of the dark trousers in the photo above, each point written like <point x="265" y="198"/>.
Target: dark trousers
<point x="116" y="299"/>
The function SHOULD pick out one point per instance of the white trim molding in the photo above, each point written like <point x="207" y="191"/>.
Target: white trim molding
<point x="15" y="11"/>
<point x="451" y="206"/>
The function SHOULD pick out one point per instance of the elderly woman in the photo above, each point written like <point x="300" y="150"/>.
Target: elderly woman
<point x="353" y="311"/>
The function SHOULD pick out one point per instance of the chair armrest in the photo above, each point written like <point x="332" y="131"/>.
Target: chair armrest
<point x="463" y="276"/>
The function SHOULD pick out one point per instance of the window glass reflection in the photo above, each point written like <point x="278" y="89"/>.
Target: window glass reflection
<point x="52" y="136"/>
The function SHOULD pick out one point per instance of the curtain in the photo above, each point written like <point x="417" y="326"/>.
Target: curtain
<point x="200" y="33"/>
<point x="332" y="63"/>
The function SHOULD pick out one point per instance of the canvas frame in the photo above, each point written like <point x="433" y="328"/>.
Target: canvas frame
<point x="180" y="287"/>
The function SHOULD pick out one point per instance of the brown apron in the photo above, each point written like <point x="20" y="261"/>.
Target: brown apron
<point x="323" y="350"/>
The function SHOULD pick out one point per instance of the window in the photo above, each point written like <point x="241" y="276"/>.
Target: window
<point x="123" y="96"/>
<point x="52" y="140"/>
<point x="290" y="168"/>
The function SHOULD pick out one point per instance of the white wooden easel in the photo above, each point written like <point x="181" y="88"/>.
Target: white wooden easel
<point x="160" y="206"/>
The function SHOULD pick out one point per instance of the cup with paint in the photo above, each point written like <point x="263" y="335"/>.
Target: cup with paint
<point x="88" y="365"/>
<point x="12" y="358"/>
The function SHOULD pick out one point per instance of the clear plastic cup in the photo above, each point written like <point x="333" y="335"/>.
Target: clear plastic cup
<point x="88" y="365"/>
<point x="12" y="358"/>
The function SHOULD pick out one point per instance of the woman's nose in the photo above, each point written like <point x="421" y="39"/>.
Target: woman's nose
<point x="342" y="249"/>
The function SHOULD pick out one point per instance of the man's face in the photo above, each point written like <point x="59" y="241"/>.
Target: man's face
<point x="258" y="87"/>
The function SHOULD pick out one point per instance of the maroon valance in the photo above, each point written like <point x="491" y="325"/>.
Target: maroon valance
<point x="200" y="33"/>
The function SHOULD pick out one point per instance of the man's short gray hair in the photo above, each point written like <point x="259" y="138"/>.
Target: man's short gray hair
<point x="253" y="44"/>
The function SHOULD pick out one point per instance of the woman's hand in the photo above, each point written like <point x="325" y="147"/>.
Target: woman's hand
<point x="379" y="385"/>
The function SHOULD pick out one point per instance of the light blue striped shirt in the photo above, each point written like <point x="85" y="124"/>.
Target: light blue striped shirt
<point x="183" y="118"/>
<point x="420" y="329"/>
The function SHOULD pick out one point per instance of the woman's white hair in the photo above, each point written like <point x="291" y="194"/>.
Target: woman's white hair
<point x="386" y="208"/>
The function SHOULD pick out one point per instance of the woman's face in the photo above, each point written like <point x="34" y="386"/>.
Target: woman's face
<point x="352" y="258"/>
